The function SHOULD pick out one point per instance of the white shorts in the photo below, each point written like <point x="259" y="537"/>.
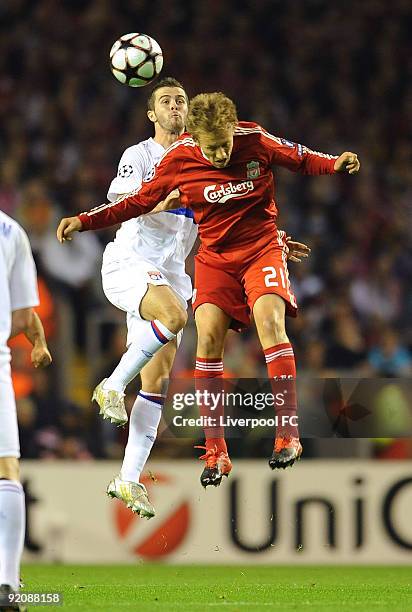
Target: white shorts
<point x="9" y="433"/>
<point x="125" y="284"/>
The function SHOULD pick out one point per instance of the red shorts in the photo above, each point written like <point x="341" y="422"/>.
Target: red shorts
<point x="235" y="279"/>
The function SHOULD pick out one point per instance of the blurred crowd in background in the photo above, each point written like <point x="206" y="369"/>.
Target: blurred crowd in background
<point x="333" y="76"/>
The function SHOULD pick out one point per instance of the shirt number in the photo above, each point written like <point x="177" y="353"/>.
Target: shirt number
<point x="272" y="275"/>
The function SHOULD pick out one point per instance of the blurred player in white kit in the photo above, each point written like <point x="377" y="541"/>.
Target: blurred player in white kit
<point x="143" y="273"/>
<point x="18" y="296"/>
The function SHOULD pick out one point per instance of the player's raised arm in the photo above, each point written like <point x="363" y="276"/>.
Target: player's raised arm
<point x="138" y="202"/>
<point x="299" y="158"/>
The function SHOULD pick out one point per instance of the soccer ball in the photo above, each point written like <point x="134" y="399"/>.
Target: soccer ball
<point x="136" y="59"/>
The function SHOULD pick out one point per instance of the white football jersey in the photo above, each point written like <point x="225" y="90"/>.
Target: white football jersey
<point x="165" y="238"/>
<point x="18" y="279"/>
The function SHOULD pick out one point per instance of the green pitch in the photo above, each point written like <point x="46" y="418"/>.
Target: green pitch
<point x="161" y="587"/>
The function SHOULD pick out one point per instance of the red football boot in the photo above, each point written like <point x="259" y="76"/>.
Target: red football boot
<point x="287" y="450"/>
<point x="218" y="464"/>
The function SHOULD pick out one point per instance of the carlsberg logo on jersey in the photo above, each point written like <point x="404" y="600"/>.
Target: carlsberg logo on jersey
<point x="219" y="194"/>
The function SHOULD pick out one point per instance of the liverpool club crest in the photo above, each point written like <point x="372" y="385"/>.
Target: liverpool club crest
<point x="253" y="170"/>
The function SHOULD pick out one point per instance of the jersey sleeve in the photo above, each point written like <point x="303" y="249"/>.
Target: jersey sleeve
<point x="130" y="173"/>
<point x="23" y="277"/>
<point x="140" y="201"/>
<point x="296" y="157"/>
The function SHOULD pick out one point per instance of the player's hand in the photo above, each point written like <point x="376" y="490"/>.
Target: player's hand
<point x="40" y="357"/>
<point x="347" y="162"/>
<point x="170" y="202"/>
<point x="297" y="250"/>
<point x="67" y="227"/>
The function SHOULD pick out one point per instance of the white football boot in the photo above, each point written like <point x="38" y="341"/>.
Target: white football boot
<point x="111" y="404"/>
<point x="133" y="494"/>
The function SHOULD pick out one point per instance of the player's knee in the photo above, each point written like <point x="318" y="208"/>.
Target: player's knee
<point x="9" y="468"/>
<point x="209" y="343"/>
<point x="174" y="318"/>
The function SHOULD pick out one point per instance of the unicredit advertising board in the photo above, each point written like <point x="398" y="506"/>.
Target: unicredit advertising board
<point x="318" y="512"/>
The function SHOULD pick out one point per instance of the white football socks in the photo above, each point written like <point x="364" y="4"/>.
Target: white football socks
<point x="143" y="423"/>
<point x="12" y="529"/>
<point x="154" y="335"/>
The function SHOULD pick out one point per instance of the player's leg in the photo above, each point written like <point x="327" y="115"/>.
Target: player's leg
<point x="212" y="324"/>
<point x="163" y="317"/>
<point x="147" y="297"/>
<point x="269" y="314"/>
<point x="143" y="423"/>
<point x="12" y="503"/>
<point x="219" y="303"/>
<point x="270" y="297"/>
<point x="147" y="411"/>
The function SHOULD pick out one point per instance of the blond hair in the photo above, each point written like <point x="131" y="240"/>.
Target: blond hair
<point x="211" y="112"/>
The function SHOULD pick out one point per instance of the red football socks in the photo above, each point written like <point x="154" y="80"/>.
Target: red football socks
<point x="281" y="366"/>
<point x="211" y="368"/>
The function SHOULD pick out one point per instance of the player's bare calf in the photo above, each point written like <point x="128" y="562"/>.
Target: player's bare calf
<point x="287" y="450"/>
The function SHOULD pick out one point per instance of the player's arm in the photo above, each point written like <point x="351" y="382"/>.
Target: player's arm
<point x="23" y="298"/>
<point x="20" y="321"/>
<point x="298" y="158"/>
<point x="130" y="172"/>
<point x="69" y="225"/>
<point x="172" y="200"/>
<point x="27" y="321"/>
<point x="138" y="202"/>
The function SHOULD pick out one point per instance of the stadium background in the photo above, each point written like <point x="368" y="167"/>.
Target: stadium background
<point x="334" y="76"/>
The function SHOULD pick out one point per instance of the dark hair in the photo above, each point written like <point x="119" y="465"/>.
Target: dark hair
<point x="166" y="82"/>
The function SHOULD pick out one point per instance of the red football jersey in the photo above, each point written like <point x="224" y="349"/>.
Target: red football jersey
<point x="233" y="205"/>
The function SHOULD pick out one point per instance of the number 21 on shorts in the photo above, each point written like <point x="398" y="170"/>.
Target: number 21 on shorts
<point x="272" y="275"/>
